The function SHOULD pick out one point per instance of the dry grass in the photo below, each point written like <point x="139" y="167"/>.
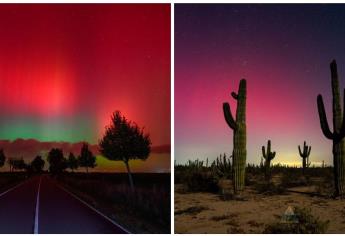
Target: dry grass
<point x="148" y="207"/>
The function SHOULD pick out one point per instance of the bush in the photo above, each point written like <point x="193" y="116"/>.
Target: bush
<point x="291" y="178"/>
<point x="201" y="182"/>
<point x="196" y="177"/>
<point x="306" y="224"/>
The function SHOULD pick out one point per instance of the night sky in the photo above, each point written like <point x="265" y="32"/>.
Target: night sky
<point x="283" y="51"/>
<point x="64" y="68"/>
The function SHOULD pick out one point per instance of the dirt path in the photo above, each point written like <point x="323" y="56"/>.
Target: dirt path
<point x="207" y="213"/>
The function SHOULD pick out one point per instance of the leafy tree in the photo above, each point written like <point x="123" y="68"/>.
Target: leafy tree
<point x="86" y="158"/>
<point x="2" y="158"/>
<point x="57" y="162"/>
<point x="37" y="164"/>
<point x="18" y="164"/>
<point x="123" y="141"/>
<point x="72" y="161"/>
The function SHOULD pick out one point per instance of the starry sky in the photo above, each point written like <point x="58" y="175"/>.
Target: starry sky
<point x="64" y="68"/>
<point x="284" y="52"/>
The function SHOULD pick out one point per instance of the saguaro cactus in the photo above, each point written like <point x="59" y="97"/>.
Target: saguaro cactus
<point x="305" y="156"/>
<point x="239" y="138"/>
<point x="338" y="131"/>
<point x="268" y="156"/>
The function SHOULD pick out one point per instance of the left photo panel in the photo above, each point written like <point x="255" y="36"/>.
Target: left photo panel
<point x="85" y="118"/>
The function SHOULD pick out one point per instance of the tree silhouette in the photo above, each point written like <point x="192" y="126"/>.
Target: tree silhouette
<point x="123" y="141"/>
<point x="37" y="164"/>
<point x="57" y="162"/>
<point x="86" y="158"/>
<point x="72" y="162"/>
<point x="10" y="163"/>
<point x="2" y="158"/>
<point x="18" y="164"/>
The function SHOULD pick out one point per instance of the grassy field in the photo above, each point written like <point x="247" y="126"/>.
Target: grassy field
<point x="147" y="210"/>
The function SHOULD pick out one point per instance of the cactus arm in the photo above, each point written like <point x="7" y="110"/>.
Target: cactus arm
<point x="263" y="152"/>
<point x="334" y="70"/>
<point x="234" y="95"/>
<point x="309" y="150"/>
<point x="228" y="116"/>
<point x="273" y="154"/>
<point x="323" y="118"/>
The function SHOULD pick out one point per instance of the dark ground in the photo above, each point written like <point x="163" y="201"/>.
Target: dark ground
<point x="58" y="212"/>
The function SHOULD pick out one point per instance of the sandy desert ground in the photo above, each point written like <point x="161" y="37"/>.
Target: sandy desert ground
<point x="208" y="213"/>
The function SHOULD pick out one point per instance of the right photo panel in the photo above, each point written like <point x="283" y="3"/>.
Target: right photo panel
<point x="259" y="118"/>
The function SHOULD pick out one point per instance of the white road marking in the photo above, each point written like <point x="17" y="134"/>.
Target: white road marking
<point x="13" y="188"/>
<point x="92" y="208"/>
<point x="37" y="207"/>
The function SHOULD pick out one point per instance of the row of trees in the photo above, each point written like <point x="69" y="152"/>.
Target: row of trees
<point x="36" y="165"/>
<point x="56" y="159"/>
<point x="19" y="164"/>
<point x="58" y="163"/>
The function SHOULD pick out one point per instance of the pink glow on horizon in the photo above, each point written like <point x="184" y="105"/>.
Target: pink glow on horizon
<point x="286" y="112"/>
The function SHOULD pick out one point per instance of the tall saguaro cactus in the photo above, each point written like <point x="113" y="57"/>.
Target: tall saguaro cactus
<point x="239" y="138"/>
<point x="338" y="131"/>
<point x="305" y="156"/>
<point x="268" y="156"/>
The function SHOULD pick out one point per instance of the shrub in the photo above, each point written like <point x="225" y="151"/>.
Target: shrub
<point x="201" y="182"/>
<point x="293" y="178"/>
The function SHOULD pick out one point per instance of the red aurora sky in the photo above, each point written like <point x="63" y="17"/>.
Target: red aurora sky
<point x="284" y="52"/>
<point x="64" y="68"/>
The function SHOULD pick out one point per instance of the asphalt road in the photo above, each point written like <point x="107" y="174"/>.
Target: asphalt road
<point x="40" y="205"/>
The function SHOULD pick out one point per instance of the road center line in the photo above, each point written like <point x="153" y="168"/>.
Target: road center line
<point x="94" y="209"/>
<point x="37" y="207"/>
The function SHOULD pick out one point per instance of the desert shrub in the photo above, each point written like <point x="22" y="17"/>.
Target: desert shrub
<point x="251" y="179"/>
<point x="196" y="177"/>
<point x="326" y="172"/>
<point x="201" y="182"/>
<point x="254" y="169"/>
<point x="179" y="176"/>
<point x="306" y="224"/>
<point x="293" y="178"/>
